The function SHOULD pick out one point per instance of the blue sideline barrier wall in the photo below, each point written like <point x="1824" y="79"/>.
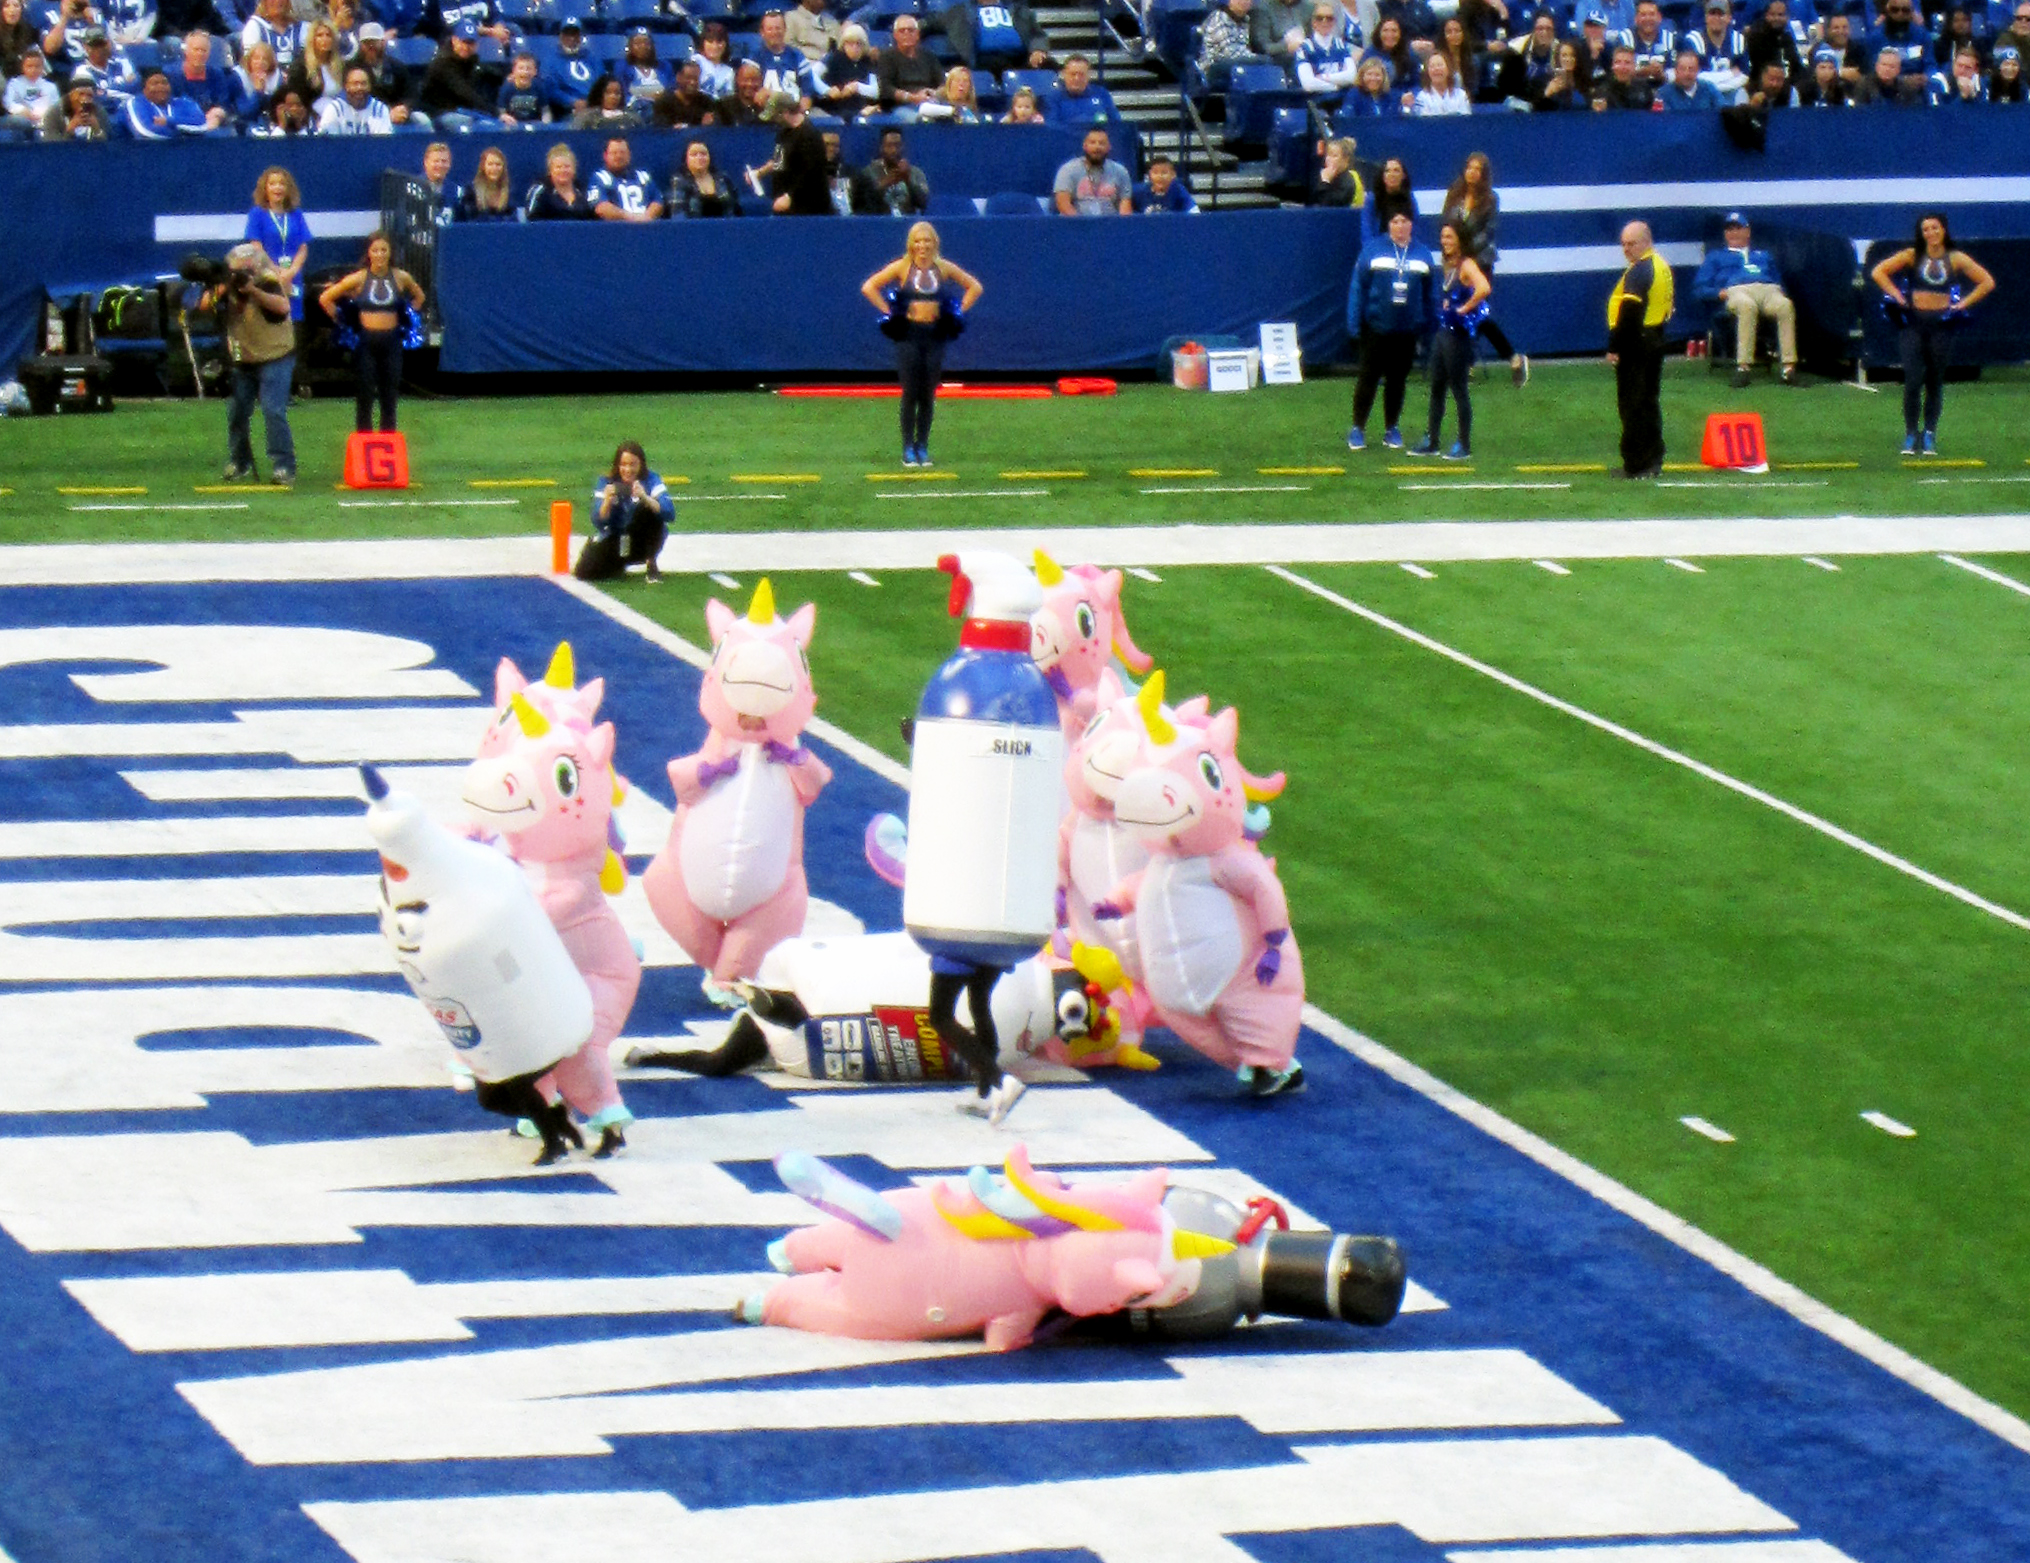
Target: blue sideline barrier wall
<point x="74" y="218"/>
<point x="714" y="296"/>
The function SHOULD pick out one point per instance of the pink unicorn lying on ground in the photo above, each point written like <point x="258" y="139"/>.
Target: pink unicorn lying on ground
<point x="956" y="1259"/>
<point x="544" y="782"/>
<point x="1077" y="632"/>
<point x="729" y="885"/>
<point x="1219" y="962"/>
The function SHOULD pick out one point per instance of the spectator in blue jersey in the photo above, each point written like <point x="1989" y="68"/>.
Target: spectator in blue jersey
<point x="522" y="102"/>
<point x="1825" y="89"/>
<point x="157" y="114"/>
<point x="686" y="103"/>
<point x="1687" y="89"/>
<point x="568" y="76"/>
<point x="699" y="189"/>
<point x="1389" y="310"/>
<point x="1888" y="85"/>
<point x="558" y="197"/>
<point x="1372" y="97"/>
<point x="851" y="87"/>
<point x="69" y="22"/>
<point x="444" y="192"/>
<point x="1075" y="99"/>
<point x="1392" y="47"/>
<point x="273" y="25"/>
<point x="1093" y="184"/>
<point x="1163" y="191"/>
<point x="459" y="92"/>
<point x="387" y="77"/>
<point x="631" y="515"/>
<point x="619" y="191"/>
<point x="356" y="111"/>
<point x="1743" y="281"/>
<point x="890" y="186"/>
<point x="111" y="74"/>
<point x="256" y="81"/>
<point x="715" y="60"/>
<point x="1723" y="51"/>
<point x="205" y="84"/>
<point x="30" y="98"/>
<point x="1962" y="84"/>
<point x="344" y="21"/>
<point x="1771" y="38"/>
<point x="1898" y="28"/>
<point x="783" y="69"/>
<point x="1326" y="65"/>
<point x="488" y="199"/>
<point x="1338" y="182"/>
<point x="484" y="16"/>
<point x="644" y="77"/>
<point x="276" y="224"/>
<point x="811" y="30"/>
<point x="996" y="35"/>
<point x="1655" y="45"/>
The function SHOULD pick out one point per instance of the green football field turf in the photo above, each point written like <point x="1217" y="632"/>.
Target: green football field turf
<point x="1202" y="458"/>
<point x="1571" y="929"/>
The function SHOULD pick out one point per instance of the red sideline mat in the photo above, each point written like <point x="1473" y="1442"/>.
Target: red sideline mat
<point x="976" y="393"/>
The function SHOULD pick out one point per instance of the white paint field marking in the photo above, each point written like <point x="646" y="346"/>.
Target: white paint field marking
<point x="1551" y="565"/>
<point x="1764" y="1283"/>
<point x="1235" y="488"/>
<point x="964" y="493"/>
<point x="1888" y="1125"/>
<point x="862" y="577"/>
<point x="1419" y="571"/>
<point x="726" y="581"/>
<point x="1821" y="564"/>
<point x="1986" y="574"/>
<point x="152" y="508"/>
<point x="1441" y="487"/>
<point x="1736" y="483"/>
<point x="1667" y="1551"/>
<point x="425" y="504"/>
<point x="1824" y="827"/>
<point x="1711" y="1131"/>
<point x="1141" y="574"/>
<point x="1685" y="565"/>
<point x="1975" y="480"/>
<point x="721" y="499"/>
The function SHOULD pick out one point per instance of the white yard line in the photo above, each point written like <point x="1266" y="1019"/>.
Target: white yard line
<point x="1824" y="827"/>
<point x="426" y="504"/>
<point x="1709" y="1130"/>
<point x="1888" y="1125"/>
<point x="1418" y="571"/>
<point x="1442" y="487"/>
<point x="1821" y="564"/>
<point x="1141" y="574"/>
<point x="721" y="499"/>
<point x="241" y="505"/>
<point x="1734" y="483"/>
<point x="963" y="493"/>
<point x="1685" y="565"/>
<point x="1234" y="488"/>
<point x="1767" y="1285"/>
<point x="1151" y="547"/>
<point x="727" y="581"/>
<point x="1986" y="574"/>
<point x="862" y="577"/>
<point x="1551" y="566"/>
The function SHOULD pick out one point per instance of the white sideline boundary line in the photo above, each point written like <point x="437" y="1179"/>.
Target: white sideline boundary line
<point x="1755" y="1278"/>
<point x="1154" y="547"/>
<point x="1734" y="784"/>
<point x="1986" y="574"/>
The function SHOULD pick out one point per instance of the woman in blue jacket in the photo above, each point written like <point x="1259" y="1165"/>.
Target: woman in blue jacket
<point x="1389" y="307"/>
<point x="631" y="513"/>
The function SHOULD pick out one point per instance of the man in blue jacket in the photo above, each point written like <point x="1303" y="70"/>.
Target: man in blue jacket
<point x="1745" y="282"/>
<point x="1390" y="308"/>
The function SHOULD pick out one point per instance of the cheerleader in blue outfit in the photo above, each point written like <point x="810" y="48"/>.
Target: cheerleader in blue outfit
<point x="920" y="318"/>
<point x="1462" y="305"/>
<point x="1944" y="283"/>
<point x="377" y="311"/>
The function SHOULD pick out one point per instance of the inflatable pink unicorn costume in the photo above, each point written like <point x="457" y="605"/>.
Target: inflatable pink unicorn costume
<point x="544" y="782"/>
<point x="1219" y="961"/>
<point x="958" y="1259"/>
<point x="729" y="885"/>
<point x="1077" y="632"/>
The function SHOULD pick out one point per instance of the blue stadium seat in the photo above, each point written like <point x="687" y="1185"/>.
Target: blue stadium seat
<point x="523" y="14"/>
<point x="606" y="48"/>
<point x="953" y="206"/>
<point x="1293" y="153"/>
<point x="703" y="11"/>
<point x="492" y="52"/>
<point x="745" y="46"/>
<point x="416" y="53"/>
<point x="1014" y="203"/>
<point x="145" y="55"/>
<point x="1042" y="83"/>
<point x="1253" y="94"/>
<point x="991" y="95"/>
<point x="626" y="15"/>
<point x="1173" y="28"/>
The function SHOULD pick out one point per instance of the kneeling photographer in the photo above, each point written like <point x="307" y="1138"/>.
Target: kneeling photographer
<point x="252" y="303"/>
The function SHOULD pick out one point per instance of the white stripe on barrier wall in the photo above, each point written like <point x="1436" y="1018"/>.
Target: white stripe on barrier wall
<point x="230" y="227"/>
<point x="1551" y="259"/>
<point x="1719" y="194"/>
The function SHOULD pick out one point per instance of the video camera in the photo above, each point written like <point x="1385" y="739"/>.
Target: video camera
<point x="208" y="272"/>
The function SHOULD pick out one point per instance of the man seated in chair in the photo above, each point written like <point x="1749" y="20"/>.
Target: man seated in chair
<point x="1745" y="283"/>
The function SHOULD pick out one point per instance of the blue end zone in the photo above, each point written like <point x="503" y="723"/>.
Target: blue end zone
<point x="101" y="1457"/>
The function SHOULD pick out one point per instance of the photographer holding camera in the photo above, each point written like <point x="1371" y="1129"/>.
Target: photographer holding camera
<point x="252" y="301"/>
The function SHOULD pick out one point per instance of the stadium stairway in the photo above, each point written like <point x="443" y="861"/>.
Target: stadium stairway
<point x="1147" y="96"/>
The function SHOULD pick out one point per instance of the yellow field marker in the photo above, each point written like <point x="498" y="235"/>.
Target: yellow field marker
<point x="98" y="489"/>
<point x="1173" y="472"/>
<point x="1948" y="461"/>
<point x="1561" y="466"/>
<point x="910" y="477"/>
<point x="4" y="492"/>
<point x="1684" y="466"/>
<point x="236" y="488"/>
<point x="1816" y="466"/>
<point x="775" y="477"/>
<point x="1301" y="472"/>
<point x="1429" y="467"/>
<point x="1029" y="477"/>
<point x="533" y="482"/>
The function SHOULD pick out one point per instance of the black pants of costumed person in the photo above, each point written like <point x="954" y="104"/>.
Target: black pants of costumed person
<point x="1638" y="390"/>
<point x="1386" y="358"/>
<point x="919" y="364"/>
<point x="377" y="362"/>
<point x="633" y="534"/>
<point x="1451" y="364"/>
<point x="1926" y="345"/>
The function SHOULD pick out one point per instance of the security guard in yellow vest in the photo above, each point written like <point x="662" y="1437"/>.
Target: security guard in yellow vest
<point x="1636" y="312"/>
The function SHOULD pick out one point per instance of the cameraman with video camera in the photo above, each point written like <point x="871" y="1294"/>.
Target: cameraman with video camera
<point x="252" y="302"/>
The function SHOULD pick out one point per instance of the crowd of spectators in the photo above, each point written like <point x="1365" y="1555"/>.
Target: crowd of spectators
<point x="160" y="70"/>
<point x="1651" y="56"/>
